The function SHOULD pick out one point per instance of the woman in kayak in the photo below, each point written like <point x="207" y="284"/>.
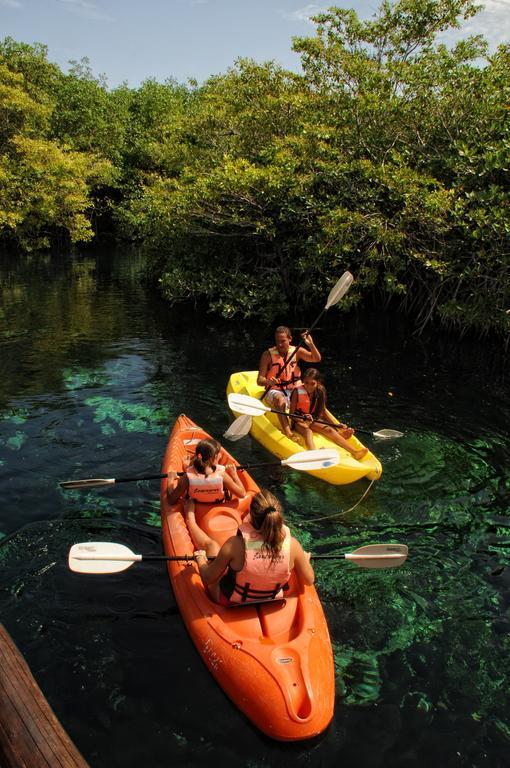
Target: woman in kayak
<point x="256" y="564"/>
<point x="205" y="480"/>
<point x="309" y="400"/>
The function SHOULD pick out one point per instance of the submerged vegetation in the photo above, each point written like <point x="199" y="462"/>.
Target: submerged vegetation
<point x="252" y="192"/>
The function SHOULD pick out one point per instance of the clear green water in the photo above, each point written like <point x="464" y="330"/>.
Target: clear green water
<point x="94" y="371"/>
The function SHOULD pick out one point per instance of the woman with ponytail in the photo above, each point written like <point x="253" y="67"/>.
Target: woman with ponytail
<point x="205" y="481"/>
<point x="256" y="564"/>
<point x="309" y="400"/>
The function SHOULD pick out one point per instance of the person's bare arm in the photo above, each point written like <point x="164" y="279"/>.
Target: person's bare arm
<point x="212" y="571"/>
<point x="265" y="364"/>
<point x="311" y="355"/>
<point x="232" y="481"/>
<point x="179" y="489"/>
<point x="302" y="565"/>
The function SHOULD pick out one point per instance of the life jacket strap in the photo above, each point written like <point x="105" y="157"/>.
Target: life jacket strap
<point x="285" y="382"/>
<point x="247" y="593"/>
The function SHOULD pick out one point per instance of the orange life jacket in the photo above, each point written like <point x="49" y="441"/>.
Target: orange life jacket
<point x="303" y="401"/>
<point x="259" y="578"/>
<point x="206" y="488"/>
<point x="288" y="373"/>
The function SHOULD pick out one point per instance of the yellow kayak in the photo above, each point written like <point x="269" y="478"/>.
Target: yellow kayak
<point x="265" y="428"/>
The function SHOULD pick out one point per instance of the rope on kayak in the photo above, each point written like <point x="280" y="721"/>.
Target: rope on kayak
<point x="336" y="514"/>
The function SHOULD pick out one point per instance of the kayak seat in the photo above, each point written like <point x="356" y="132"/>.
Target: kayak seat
<point x="219" y="522"/>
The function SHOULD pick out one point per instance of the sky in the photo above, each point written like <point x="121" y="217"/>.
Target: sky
<point x="133" y="40"/>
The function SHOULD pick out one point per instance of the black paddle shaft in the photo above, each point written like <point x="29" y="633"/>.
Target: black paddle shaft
<point x="134" y="479"/>
<point x="191" y="558"/>
<point x="186" y="558"/>
<point x="161" y="476"/>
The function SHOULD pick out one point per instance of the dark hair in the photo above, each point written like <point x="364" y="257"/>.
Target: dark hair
<point x="205" y="452"/>
<point x="318" y="398"/>
<point x="283" y="329"/>
<point x="266" y="516"/>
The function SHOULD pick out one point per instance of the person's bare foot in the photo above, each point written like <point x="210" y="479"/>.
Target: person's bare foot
<point x="347" y="433"/>
<point x="358" y="455"/>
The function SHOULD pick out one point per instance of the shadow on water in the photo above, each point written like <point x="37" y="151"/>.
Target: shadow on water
<point x="95" y="369"/>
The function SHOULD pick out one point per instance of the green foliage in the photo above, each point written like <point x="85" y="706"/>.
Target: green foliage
<point x="387" y="156"/>
<point x="253" y="191"/>
<point x="46" y="186"/>
<point x="86" y="117"/>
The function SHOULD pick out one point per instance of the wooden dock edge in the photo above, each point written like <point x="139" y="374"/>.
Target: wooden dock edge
<point x="30" y="734"/>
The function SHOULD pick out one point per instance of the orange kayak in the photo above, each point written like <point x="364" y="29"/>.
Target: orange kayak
<point x="274" y="660"/>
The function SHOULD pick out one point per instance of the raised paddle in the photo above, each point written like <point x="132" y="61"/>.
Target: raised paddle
<point x="241" y="426"/>
<point x="303" y="461"/>
<point x="253" y="407"/>
<point x="106" y="557"/>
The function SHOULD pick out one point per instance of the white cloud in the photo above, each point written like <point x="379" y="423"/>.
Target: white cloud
<point x="493" y="23"/>
<point x="305" y="13"/>
<point x="85" y="9"/>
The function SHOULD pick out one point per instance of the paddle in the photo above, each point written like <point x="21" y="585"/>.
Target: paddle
<point x="253" y="407"/>
<point x="107" y="557"/>
<point x="241" y="426"/>
<point x="305" y="460"/>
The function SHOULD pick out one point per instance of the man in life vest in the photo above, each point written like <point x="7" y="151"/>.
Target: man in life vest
<point x="257" y="563"/>
<point x="279" y="371"/>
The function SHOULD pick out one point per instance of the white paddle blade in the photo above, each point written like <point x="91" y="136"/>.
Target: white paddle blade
<point x="307" y="460"/>
<point x="239" y="428"/>
<point x="101" y="557"/>
<point x="340" y="289"/>
<point x="387" y="434"/>
<point x="95" y="482"/>
<point x="382" y="549"/>
<point x="379" y="555"/>
<point x="246" y="404"/>
<point x="377" y="561"/>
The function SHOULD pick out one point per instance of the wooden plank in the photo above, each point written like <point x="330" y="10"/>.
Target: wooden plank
<point x="30" y="734"/>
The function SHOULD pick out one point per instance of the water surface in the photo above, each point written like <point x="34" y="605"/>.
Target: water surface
<point x="95" y="368"/>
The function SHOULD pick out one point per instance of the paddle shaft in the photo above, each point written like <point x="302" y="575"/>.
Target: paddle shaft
<point x="251" y="406"/>
<point x="161" y="476"/>
<point x="327" y="423"/>
<point x="116" y="480"/>
<point x="336" y="426"/>
<point x="316" y="421"/>
<point x="310" y="329"/>
<point x="145" y="477"/>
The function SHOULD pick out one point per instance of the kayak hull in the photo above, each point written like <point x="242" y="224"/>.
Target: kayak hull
<point x="265" y="429"/>
<point x="273" y="660"/>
